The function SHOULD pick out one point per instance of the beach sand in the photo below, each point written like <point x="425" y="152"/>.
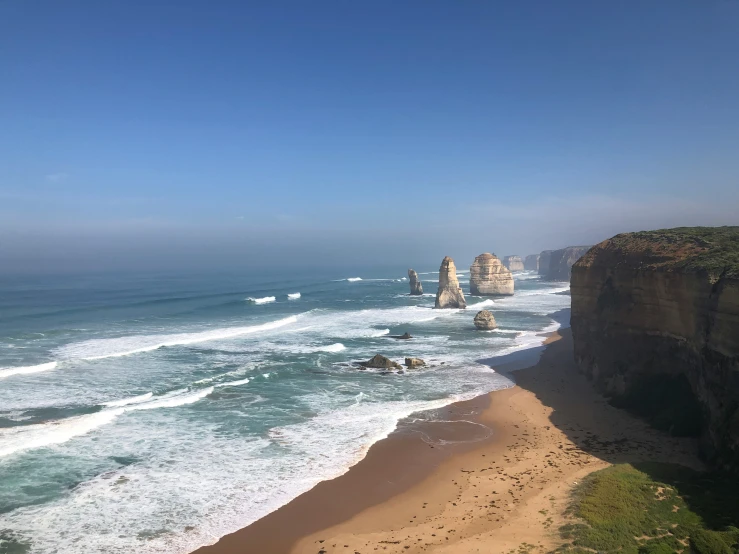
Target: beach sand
<point x="495" y="475"/>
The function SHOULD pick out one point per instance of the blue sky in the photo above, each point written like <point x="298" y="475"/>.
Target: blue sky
<point x="183" y="133"/>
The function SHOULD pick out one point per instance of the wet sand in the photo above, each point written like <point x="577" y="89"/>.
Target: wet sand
<point x="489" y="475"/>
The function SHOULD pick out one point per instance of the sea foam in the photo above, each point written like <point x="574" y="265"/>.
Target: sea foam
<point x="293" y="295"/>
<point x="264" y="300"/>
<point x="97" y="349"/>
<point x="25" y="370"/>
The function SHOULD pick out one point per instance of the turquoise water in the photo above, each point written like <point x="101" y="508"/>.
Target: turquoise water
<point x="156" y="414"/>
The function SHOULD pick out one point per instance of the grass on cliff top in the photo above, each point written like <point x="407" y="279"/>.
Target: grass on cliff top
<point x="654" y="509"/>
<point x="711" y="249"/>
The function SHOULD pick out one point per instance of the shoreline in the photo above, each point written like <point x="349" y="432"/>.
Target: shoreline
<point x="452" y="486"/>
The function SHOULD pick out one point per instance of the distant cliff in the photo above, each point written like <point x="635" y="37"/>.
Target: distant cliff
<point x="513" y="263"/>
<point x="544" y="259"/>
<point x="655" y="322"/>
<point x="531" y="262"/>
<point x="561" y="261"/>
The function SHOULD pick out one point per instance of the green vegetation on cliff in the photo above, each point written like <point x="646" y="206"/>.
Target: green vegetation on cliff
<point x="714" y="250"/>
<point x="654" y="509"/>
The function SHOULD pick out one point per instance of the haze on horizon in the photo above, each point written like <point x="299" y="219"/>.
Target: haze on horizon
<point x="171" y="135"/>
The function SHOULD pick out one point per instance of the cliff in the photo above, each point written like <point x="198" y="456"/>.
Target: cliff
<point x="415" y="283"/>
<point x="561" y="262"/>
<point x="544" y="259"/>
<point x="655" y="322"/>
<point x="449" y="295"/>
<point x="513" y="263"/>
<point x="531" y="262"/>
<point x="489" y="277"/>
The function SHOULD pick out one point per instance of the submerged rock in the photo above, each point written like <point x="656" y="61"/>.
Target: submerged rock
<point x="378" y="361"/>
<point x="531" y="263"/>
<point x="489" y="277"/>
<point x="410" y="363"/>
<point x="416" y="287"/>
<point x="513" y="263"/>
<point x="485" y="321"/>
<point x="449" y="295"/>
<point x="404" y="336"/>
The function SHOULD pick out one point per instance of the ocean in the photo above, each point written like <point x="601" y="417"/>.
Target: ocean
<point x="158" y="413"/>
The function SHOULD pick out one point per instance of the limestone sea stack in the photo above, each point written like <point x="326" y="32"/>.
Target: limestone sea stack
<point x="489" y="277"/>
<point x="544" y="259"/>
<point x="485" y="321"/>
<point x="561" y="262"/>
<point x="449" y="295"/>
<point x="655" y="324"/>
<point x="416" y="287"/>
<point x="531" y="262"/>
<point x="513" y="263"/>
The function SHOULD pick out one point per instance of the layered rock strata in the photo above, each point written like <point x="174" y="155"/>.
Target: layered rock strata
<point x="449" y="295"/>
<point x="513" y="263"/>
<point x="561" y="262"/>
<point x="489" y="277"/>
<point x="531" y="262"/>
<point x="416" y="287"/>
<point x="485" y="321"/>
<point x="655" y="322"/>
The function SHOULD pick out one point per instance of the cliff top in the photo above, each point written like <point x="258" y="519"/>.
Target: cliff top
<point x="714" y="250"/>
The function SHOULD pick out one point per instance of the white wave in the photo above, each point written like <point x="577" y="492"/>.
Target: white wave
<point x="127" y="401"/>
<point x="336" y="347"/>
<point x="353" y="279"/>
<point x="16" y="439"/>
<point x="293" y="295"/>
<point x="25" y="370"/>
<point x="378" y="333"/>
<point x="265" y="375"/>
<point x="233" y="383"/>
<point x="483" y="304"/>
<point x="263" y="300"/>
<point x="172" y="401"/>
<point x="97" y="349"/>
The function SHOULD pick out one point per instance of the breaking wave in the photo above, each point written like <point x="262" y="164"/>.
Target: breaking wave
<point x="24" y="370"/>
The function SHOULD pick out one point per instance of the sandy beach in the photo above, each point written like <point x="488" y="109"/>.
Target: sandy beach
<point x="493" y="474"/>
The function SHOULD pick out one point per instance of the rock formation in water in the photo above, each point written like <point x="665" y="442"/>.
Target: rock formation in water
<point x="544" y="259"/>
<point x="513" y="263"/>
<point x="531" y="263"/>
<point x="416" y="287"/>
<point x="379" y="361"/>
<point x="655" y="323"/>
<point x="449" y="295"/>
<point x="485" y="321"/>
<point x="561" y="262"/>
<point x="489" y="277"/>
<point x="411" y="363"/>
<point x="404" y="336"/>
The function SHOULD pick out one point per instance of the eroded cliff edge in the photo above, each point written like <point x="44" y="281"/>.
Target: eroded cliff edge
<point x="655" y="322"/>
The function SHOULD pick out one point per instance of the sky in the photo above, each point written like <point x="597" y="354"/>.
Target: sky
<point x="192" y="134"/>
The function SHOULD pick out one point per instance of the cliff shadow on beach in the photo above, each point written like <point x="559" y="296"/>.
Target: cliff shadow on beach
<point x="596" y="427"/>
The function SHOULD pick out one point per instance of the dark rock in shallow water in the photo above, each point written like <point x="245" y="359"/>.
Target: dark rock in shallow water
<point x="416" y="287"/>
<point x="404" y="336"/>
<point x="378" y="361"/>
<point x="485" y="321"/>
<point x="414" y="362"/>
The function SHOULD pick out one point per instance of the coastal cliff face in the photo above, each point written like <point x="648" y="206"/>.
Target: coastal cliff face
<point x="416" y="287"/>
<point x="544" y="259"/>
<point x="655" y="322"/>
<point x="531" y="262"/>
<point x="513" y="263"/>
<point x="489" y="277"/>
<point x="561" y="262"/>
<point x="449" y="295"/>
